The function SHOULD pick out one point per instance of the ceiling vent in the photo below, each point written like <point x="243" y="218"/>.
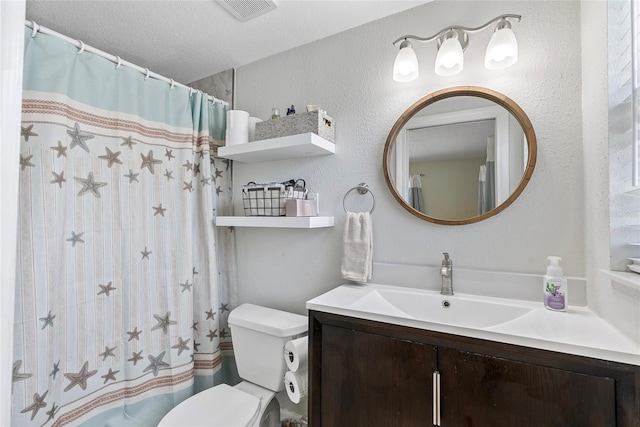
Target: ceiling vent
<point x="244" y="10"/>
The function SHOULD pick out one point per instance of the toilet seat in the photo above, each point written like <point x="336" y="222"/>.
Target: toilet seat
<point x="221" y="405"/>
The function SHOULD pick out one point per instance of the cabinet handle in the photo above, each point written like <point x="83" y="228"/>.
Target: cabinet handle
<point x="436" y="398"/>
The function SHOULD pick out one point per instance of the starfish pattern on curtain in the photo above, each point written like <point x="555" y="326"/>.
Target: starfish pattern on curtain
<point x="122" y="294"/>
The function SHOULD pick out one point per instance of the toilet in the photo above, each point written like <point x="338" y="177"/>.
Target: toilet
<point x="259" y="335"/>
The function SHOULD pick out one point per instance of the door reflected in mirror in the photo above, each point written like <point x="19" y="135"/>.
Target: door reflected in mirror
<point x="460" y="155"/>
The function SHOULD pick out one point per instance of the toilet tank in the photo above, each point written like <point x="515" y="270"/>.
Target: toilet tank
<point x="259" y="335"/>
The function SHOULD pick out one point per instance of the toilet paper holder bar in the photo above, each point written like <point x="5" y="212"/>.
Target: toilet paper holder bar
<point x="288" y="354"/>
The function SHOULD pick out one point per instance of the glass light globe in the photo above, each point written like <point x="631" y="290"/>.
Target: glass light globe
<point x="450" y="59"/>
<point x="405" y="67"/>
<point x="502" y="50"/>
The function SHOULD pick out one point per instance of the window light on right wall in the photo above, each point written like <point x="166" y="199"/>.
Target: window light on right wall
<point x="624" y="134"/>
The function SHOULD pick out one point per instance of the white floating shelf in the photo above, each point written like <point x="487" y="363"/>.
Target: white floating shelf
<point x="286" y="147"/>
<point x="275" y="221"/>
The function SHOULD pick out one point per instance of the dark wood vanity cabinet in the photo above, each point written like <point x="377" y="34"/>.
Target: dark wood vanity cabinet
<point x="365" y="373"/>
<point x="479" y="390"/>
<point x="364" y="383"/>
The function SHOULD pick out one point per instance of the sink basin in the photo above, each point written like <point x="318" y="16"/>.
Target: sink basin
<point x="513" y="321"/>
<point x="432" y="307"/>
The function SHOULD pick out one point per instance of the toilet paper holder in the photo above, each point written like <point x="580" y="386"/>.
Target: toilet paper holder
<point x="289" y="355"/>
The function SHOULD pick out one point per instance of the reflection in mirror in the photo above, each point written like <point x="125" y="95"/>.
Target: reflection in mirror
<point x="460" y="159"/>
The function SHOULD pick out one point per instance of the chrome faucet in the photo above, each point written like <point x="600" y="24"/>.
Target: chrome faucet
<point x="446" y="271"/>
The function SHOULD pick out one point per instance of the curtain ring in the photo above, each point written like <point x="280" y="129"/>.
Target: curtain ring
<point x="119" y="63"/>
<point x="146" y="74"/>
<point x="191" y="91"/>
<point x="81" y="47"/>
<point x="35" y="29"/>
<point x="172" y="84"/>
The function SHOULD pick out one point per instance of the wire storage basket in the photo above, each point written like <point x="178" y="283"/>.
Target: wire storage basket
<point x="269" y="199"/>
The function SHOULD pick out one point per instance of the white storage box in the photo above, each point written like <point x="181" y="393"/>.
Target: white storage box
<point x="297" y="207"/>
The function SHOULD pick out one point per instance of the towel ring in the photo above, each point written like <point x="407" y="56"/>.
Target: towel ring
<point x="361" y="188"/>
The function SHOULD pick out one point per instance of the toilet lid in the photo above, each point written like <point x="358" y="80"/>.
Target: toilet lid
<point x="221" y="405"/>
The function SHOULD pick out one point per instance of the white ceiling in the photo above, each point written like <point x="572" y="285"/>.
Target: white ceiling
<point x="189" y="40"/>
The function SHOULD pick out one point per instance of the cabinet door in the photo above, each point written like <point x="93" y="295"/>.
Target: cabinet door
<point x="479" y="390"/>
<point x="370" y="380"/>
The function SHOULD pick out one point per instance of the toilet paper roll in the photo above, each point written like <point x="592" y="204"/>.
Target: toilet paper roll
<point x="296" y="384"/>
<point x="252" y="128"/>
<point x="237" y="127"/>
<point x="296" y="354"/>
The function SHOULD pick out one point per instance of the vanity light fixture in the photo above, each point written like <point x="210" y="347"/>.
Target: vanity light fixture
<point x="502" y="50"/>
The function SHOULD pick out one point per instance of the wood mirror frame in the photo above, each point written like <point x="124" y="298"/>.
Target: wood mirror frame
<point x="474" y="91"/>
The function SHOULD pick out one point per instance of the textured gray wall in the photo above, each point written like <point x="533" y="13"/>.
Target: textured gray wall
<point x="350" y="76"/>
<point x="219" y="85"/>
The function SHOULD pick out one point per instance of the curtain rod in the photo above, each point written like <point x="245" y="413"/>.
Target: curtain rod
<point x="115" y="59"/>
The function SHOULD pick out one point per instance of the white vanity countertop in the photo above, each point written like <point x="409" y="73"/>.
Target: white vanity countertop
<point x="576" y="331"/>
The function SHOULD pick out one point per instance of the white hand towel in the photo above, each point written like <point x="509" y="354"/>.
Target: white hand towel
<point x="357" y="259"/>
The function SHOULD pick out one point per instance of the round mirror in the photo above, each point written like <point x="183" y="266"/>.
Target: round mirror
<point x="460" y="155"/>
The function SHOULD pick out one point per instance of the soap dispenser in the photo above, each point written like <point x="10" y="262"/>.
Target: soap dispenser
<point x="555" y="288"/>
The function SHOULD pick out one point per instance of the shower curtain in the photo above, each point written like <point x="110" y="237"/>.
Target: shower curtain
<point x="487" y="180"/>
<point x="123" y="282"/>
<point x="416" y="196"/>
